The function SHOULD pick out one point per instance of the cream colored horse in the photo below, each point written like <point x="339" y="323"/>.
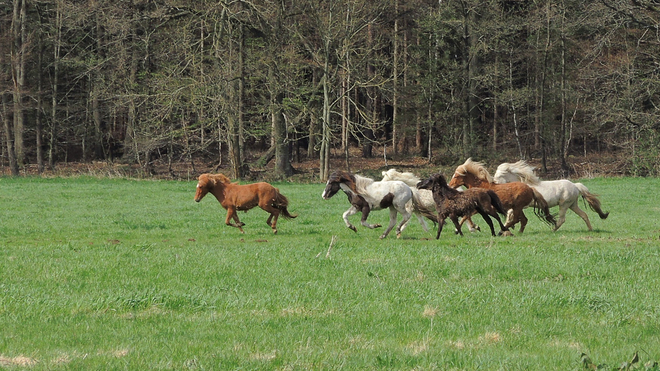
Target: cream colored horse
<point x="562" y="193"/>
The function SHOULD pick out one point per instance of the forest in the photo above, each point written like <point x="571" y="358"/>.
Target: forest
<point x="244" y="82"/>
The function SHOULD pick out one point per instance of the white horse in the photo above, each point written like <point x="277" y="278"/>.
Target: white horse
<point x="365" y="195"/>
<point x="562" y="193"/>
<point x="424" y="196"/>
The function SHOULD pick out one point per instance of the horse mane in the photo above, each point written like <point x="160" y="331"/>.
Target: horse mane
<point x="445" y="189"/>
<point x="361" y="184"/>
<point x="478" y="169"/>
<point x="522" y="169"/>
<point x="409" y="178"/>
<point x="221" y="178"/>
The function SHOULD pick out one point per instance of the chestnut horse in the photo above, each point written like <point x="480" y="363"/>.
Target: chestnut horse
<point x="514" y="196"/>
<point x="453" y="203"/>
<point x="233" y="197"/>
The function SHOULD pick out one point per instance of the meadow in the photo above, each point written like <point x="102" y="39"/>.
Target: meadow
<point x="133" y="274"/>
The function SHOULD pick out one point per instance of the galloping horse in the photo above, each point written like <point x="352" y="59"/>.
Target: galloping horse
<point x="422" y="196"/>
<point x="562" y="193"/>
<point x="515" y="196"/>
<point x="365" y="195"/>
<point x="233" y="197"/>
<point x="453" y="203"/>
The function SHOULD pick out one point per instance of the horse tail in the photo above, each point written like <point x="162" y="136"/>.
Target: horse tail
<point x="281" y="203"/>
<point x="418" y="206"/>
<point x="541" y="209"/>
<point x="592" y="200"/>
<point x="495" y="200"/>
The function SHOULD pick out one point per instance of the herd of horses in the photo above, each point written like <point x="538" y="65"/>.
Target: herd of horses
<point x="513" y="188"/>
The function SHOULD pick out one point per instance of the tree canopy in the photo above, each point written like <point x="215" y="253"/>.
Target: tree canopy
<point x="146" y="80"/>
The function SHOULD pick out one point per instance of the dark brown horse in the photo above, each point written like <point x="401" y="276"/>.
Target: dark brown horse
<point x="233" y="197"/>
<point x="453" y="203"/>
<point x="514" y="196"/>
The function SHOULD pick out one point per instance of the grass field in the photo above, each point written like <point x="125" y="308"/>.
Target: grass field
<point x="125" y="274"/>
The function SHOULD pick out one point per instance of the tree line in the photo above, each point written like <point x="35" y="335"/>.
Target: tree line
<point x="171" y="80"/>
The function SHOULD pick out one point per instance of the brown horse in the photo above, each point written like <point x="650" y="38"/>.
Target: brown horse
<point x="453" y="203"/>
<point x="233" y="197"/>
<point x="514" y="196"/>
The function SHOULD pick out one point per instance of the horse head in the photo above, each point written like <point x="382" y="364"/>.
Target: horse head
<point x="335" y="181"/>
<point x="437" y="183"/>
<point x="471" y="173"/>
<point x="206" y="183"/>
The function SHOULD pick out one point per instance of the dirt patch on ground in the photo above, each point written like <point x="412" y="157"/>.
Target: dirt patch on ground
<point x="17" y="361"/>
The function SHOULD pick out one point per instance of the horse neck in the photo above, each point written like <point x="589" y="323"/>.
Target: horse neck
<point x="361" y="184"/>
<point x="471" y="180"/>
<point x="528" y="177"/>
<point x="448" y="192"/>
<point x="219" y="191"/>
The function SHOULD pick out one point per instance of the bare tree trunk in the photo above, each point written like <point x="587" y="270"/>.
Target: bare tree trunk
<point x="19" y="20"/>
<point x="241" y="101"/>
<point x="562" y="134"/>
<point x="395" y="82"/>
<point x="39" y="113"/>
<point x="281" y="142"/>
<point x="324" y="163"/>
<point x="313" y="123"/>
<point x="495" y="102"/>
<point x="4" y="116"/>
<point x="544" y="69"/>
<point x="56" y="72"/>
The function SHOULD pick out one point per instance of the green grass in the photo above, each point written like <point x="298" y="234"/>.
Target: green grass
<point x="123" y="274"/>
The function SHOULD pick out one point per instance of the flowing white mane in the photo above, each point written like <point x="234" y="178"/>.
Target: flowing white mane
<point x="521" y="169"/>
<point x="409" y="178"/>
<point x="361" y="184"/>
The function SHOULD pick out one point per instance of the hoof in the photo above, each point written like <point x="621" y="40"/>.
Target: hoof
<point x="377" y="225"/>
<point x="352" y="228"/>
<point x="274" y="231"/>
<point x="506" y="234"/>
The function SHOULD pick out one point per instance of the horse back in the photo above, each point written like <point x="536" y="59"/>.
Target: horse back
<point x="513" y="194"/>
<point x="245" y="197"/>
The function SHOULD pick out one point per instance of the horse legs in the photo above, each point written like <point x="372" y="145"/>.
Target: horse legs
<point x="392" y="223"/>
<point x="353" y="210"/>
<point x="404" y="223"/>
<point x="441" y="223"/>
<point x="363" y="221"/>
<point x="493" y="213"/>
<point x="517" y="216"/>
<point x="561" y="218"/>
<point x="231" y="214"/>
<point x="274" y="214"/>
<point x="471" y="226"/>
<point x="454" y="219"/>
<point x="582" y="215"/>
<point x="484" y="215"/>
